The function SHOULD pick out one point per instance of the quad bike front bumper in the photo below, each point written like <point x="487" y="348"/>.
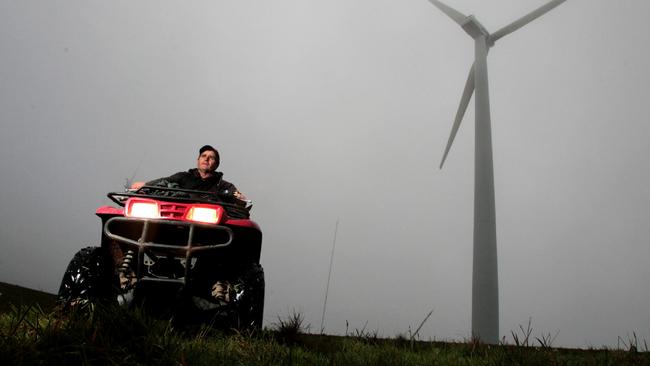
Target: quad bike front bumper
<point x="165" y="249"/>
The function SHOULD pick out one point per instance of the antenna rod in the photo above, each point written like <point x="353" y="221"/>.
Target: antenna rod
<point x="327" y="288"/>
<point x="128" y="182"/>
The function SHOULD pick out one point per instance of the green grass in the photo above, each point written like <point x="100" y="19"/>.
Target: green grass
<point x="33" y="335"/>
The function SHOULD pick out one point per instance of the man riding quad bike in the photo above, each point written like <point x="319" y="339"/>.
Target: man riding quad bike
<point x="191" y="254"/>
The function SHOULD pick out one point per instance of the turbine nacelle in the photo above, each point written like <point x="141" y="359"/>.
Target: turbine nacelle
<point x="474" y="28"/>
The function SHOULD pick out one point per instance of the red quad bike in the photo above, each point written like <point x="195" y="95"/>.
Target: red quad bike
<point x="192" y="255"/>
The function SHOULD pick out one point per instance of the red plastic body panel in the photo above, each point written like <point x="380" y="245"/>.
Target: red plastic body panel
<point x="109" y="210"/>
<point x="115" y="211"/>
<point x="243" y="223"/>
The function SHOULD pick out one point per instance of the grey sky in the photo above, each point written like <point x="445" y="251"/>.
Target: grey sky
<point x="341" y="109"/>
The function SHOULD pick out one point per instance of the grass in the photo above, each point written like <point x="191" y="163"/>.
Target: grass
<point x="32" y="335"/>
<point x="114" y="336"/>
<point x="18" y="296"/>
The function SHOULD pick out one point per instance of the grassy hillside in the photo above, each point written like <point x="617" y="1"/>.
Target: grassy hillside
<point x="109" y="335"/>
<point x="20" y="296"/>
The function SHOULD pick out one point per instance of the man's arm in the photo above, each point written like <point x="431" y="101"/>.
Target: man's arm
<point x="176" y="178"/>
<point x="227" y="186"/>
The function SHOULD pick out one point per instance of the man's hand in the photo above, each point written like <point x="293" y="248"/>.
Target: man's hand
<point x="137" y="185"/>
<point x="240" y="196"/>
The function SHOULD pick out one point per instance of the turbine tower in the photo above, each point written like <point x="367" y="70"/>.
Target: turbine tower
<point x="485" y="288"/>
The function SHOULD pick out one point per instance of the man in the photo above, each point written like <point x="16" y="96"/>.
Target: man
<point x="203" y="178"/>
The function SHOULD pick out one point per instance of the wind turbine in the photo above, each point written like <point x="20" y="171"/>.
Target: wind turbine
<point x="485" y="288"/>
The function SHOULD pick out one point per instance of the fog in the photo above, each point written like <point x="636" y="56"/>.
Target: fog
<point x="340" y="110"/>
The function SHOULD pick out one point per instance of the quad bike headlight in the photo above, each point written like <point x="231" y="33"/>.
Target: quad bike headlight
<point x="209" y="214"/>
<point x="143" y="208"/>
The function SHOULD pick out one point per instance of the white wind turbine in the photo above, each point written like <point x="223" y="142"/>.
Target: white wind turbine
<point x="485" y="288"/>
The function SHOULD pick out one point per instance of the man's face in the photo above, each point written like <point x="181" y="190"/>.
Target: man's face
<point x="207" y="161"/>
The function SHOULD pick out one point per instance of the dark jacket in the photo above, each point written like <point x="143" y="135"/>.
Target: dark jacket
<point x="191" y="179"/>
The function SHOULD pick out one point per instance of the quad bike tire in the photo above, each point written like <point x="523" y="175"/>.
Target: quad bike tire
<point x="86" y="280"/>
<point x="251" y="307"/>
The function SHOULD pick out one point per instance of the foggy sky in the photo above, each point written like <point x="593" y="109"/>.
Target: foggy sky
<point x="341" y="110"/>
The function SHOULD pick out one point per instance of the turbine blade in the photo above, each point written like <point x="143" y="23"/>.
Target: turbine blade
<point x="454" y="14"/>
<point x="524" y="20"/>
<point x="462" y="107"/>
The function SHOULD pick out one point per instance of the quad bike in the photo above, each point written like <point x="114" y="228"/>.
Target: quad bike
<point x="192" y="255"/>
